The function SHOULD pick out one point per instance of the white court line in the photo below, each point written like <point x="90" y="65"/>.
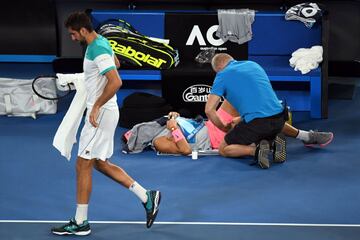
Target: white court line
<point x="193" y="223"/>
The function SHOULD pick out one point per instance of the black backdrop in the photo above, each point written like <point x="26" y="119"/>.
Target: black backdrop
<point x="187" y="86"/>
<point x="179" y="27"/>
<point x="28" y="27"/>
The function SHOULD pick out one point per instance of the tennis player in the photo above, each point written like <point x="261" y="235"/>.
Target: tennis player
<point x="96" y="143"/>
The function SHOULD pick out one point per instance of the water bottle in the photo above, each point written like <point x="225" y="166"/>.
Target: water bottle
<point x="194" y="154"/>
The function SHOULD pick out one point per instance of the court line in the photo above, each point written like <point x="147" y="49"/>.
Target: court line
<point x="193" y="223"/>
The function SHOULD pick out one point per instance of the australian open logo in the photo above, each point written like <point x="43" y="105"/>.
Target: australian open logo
<point x="196" y="93"/>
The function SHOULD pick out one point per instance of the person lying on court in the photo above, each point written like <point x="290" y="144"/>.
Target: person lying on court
<point x="166" y="135"/>
<point x="158" y="133"/>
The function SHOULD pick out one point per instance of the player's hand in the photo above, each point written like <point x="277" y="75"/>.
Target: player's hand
<point x="173" y="115"/>
<point x="94" y="116"/>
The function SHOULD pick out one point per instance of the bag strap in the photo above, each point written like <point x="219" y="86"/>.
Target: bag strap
<point x="36" y="103"/>
<point x="8" y="107"/>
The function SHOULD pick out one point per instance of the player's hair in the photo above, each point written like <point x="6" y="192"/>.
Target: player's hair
<point x="78" y="20"/>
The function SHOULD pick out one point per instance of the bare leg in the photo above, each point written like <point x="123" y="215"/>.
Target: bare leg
<point x="309" y="138"/>
<point x="114" y="172"/>
<point x="290" y="131"/>
<point x="84" y="179"/>
<point x="236" y="150"/>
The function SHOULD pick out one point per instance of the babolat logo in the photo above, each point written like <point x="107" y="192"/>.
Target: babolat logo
<point x="136" y="56"/>
<point x="196" y="93"/>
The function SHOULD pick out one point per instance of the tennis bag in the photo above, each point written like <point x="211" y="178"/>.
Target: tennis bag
<point x="142" y="107"/>
<point x="18" y="99"/>
<point x="135" y="50"/>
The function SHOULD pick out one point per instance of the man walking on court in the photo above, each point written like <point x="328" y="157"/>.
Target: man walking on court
<point x="96" y="143"/>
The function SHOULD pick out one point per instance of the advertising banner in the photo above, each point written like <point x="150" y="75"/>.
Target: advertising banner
<point x="187" y="85"/>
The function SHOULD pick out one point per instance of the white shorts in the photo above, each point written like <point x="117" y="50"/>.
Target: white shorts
<point x="98" y="142"/>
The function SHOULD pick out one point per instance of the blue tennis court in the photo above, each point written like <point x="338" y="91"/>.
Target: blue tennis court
<point x="314" y="195"/>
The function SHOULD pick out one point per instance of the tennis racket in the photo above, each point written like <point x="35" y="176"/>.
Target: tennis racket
<point x="47" y="87"/>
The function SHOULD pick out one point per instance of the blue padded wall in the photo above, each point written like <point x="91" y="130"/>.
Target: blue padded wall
<point x="285" y="39"/>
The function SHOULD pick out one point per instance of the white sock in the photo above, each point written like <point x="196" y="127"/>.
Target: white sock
<point x="81" y="213"/>
<point x="303" y="135"/>
<point x="139" y="191"/>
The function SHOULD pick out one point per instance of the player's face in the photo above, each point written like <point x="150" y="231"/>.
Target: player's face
<point x="76" y="36"/>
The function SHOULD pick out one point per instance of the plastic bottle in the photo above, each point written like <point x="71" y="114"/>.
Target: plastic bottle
<point x="194" y="154"/>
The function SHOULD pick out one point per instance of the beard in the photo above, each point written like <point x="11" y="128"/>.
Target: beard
<point x="82" y="42"/>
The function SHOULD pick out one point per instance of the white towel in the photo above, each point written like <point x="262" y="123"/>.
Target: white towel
<point x="306" y="59"/>
<point x="65" y="136"/>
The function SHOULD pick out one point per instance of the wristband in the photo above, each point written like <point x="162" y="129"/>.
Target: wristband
<point x="178" y="135"/>
<point x="127" y="135"/>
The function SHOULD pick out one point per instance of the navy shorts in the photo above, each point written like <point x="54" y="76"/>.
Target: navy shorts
<point x="256" y="130"/>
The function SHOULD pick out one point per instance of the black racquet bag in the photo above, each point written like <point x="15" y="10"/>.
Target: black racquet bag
<point x="141" y="107"/>
<point x="135" y="50"/>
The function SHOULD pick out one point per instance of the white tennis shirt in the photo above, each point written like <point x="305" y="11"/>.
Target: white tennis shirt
<point x="99" y="59"/>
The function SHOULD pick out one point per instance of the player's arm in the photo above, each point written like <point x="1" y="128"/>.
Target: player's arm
<point x="117" y="63"/>
<point x="112" y="86"/>
<point x="166" y="144"/>
<point x="210" y="111"/>
<point x="172" y="144"/>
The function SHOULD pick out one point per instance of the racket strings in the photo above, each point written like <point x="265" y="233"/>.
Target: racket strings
<point x="47" y="87"/>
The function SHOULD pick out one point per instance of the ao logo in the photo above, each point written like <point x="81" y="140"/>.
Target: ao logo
<point x="196" y="34"/>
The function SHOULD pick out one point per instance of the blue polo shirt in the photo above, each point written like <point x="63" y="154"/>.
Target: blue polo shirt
<point x="247" y="87"/>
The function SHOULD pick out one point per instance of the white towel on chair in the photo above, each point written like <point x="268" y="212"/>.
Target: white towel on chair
<point x="65" y="136"/>
<point x="306" y="59"/>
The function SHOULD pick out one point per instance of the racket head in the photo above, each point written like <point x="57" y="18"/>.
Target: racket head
<point x="46" y="87"/>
